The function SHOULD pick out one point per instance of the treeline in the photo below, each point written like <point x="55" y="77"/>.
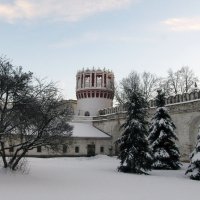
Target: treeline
<point x="176" y="82"/>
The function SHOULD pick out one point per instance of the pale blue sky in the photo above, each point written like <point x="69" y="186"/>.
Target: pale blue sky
<point x="55" y="38"/>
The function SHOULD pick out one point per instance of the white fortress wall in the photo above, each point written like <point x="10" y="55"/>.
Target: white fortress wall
<point x="186" y="116"/>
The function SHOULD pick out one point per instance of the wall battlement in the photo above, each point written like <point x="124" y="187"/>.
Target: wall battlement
<point x="172" y="100"/>
<point x="179" y="98"/>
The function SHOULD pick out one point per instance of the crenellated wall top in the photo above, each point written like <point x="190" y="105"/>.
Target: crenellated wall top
<point x="179" y="98"/>
<point x="176" y="104"/>
<point x="92" y="79"/>
<point x="97" y="70"/>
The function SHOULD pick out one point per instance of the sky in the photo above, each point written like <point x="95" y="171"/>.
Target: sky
<point x="56" y="38"/>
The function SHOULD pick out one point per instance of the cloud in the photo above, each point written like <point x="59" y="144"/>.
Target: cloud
<point x="183" y="24"/>
<point x="102" y="37"/>
<point x="66" y="10"/>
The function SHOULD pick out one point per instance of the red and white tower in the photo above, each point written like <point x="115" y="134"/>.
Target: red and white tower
<point x="94" y="91"/>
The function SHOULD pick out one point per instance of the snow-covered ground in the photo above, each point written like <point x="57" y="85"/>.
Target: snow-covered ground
<point x="94" y="178"/>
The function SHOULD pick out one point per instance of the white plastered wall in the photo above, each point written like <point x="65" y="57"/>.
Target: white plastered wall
<point x="92" y="105"/>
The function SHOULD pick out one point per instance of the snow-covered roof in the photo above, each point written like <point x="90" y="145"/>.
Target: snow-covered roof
<point x="87" y="130"/>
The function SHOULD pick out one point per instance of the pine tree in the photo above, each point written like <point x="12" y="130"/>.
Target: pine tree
<point x="133" y="145"/>
<point x="162" y="137"/>
<point x="194" y="166"/>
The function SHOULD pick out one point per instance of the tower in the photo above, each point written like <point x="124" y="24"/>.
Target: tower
<point x="94" y="91"/>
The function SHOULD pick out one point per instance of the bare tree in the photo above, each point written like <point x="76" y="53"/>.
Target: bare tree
<point x="31" y="115"/>
<point x="147" y="82"/>
<point x="173" y="81"/>
<point x="164" y="85"/>
<point x="130" y="82"/>
<point x="150" y="84"/>
<point x="181" y="81"/>
<point x="188" y="79"/>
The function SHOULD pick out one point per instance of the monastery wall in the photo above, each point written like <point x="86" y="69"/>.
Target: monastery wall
<point x="186" y="116"/>
<point x="74" y="147"/>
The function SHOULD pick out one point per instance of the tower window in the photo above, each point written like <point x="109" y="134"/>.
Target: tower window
<point x="82" y="81"/>
<point x="92" y="79"/>
<point x="104" y="80"/>
<point x="87" y="81"/>
<point x="99" y="80"/>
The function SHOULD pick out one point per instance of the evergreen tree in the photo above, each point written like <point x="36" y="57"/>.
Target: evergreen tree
<point x="162" y="137"/>
<point x="194" y="167"/>
<point x="133" y="145"/>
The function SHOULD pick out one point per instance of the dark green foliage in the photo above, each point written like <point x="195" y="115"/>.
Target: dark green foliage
<point x="160" y="99"/>
<point x="133" y="146"/>
<point x="162" y="137"/>
<point x="194" y="166"/>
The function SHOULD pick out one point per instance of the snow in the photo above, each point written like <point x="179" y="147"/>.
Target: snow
<point x="162" y="122"/>
<point x="87" y="130"/>
<point x="160" y="109"/>
<point x="94" y="178"/>
<point x="161" y="153"/>
<point x="196" y="157"/>
<point x="136" y="123"/>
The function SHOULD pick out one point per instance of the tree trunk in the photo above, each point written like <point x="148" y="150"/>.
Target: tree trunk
<point x="14" y="157"/>
<point x="16" y="162"/>
<point x="3" y="155"/>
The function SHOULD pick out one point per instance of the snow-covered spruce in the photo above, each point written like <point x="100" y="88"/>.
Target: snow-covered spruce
<point x="194" y="167"/>
<point x="134" y="151"/>
<point x="162" y="137"/>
